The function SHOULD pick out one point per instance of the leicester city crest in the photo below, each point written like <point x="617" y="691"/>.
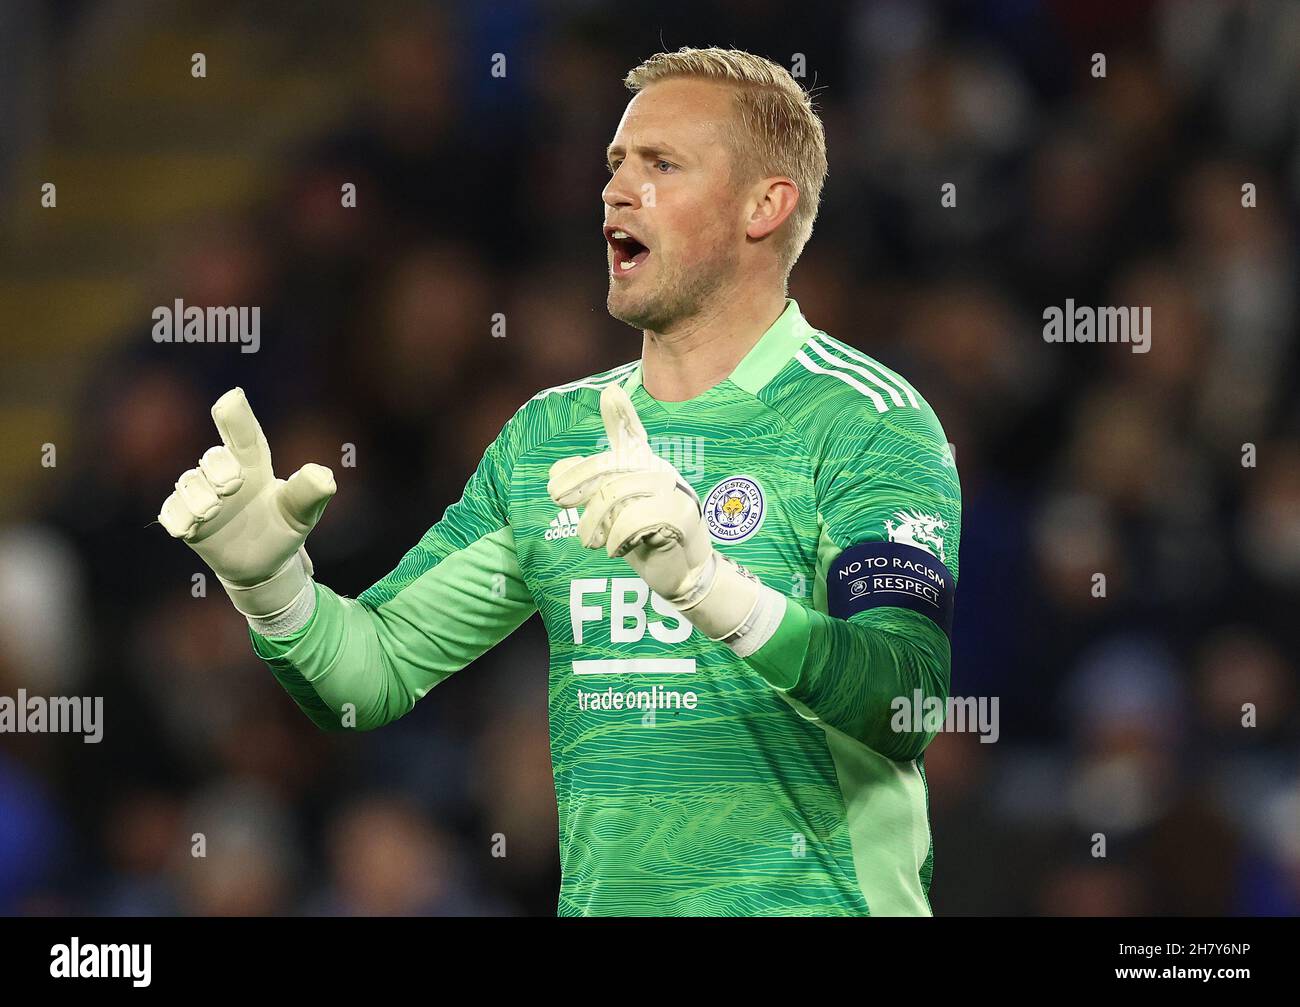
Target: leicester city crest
<point x="734" y="509"/>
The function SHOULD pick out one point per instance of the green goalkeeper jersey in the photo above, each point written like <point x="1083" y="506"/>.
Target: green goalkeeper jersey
<point x="691" y="781"/>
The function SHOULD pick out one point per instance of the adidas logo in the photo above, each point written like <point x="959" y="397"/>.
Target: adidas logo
<point x="563" y="525"/>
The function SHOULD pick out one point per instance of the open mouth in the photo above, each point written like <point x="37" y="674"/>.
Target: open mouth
<point x="628" y="250"/>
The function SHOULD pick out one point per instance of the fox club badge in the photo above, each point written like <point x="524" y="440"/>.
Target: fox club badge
<point x="734" y="509"/>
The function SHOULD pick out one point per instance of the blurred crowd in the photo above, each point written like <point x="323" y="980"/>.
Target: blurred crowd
<point x="1121" y="715"/>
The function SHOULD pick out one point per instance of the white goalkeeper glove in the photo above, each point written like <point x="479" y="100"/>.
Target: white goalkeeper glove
<point x="249" y="526"/>
<point x="639" y="507"/>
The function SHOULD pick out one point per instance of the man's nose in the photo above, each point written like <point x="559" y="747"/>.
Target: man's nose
<point x="618" y="193"/>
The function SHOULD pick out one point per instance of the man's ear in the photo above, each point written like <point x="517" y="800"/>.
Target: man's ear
<point x="775" y="200"/>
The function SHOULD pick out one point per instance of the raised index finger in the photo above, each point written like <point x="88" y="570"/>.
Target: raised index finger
<point x="240" y="431"/>
<point x="626" y="432"/>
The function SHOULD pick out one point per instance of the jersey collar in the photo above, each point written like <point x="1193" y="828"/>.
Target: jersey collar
<point x="760" y="365"/>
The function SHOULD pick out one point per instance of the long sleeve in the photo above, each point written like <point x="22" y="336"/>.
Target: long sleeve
<point x="848" y="674"/>
<point x="873" y="648"/>
<point x="362" y="663"/>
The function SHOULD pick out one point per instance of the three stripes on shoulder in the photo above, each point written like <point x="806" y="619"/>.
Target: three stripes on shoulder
<point x="598" y="382"/>
<point x="882" y="386"/>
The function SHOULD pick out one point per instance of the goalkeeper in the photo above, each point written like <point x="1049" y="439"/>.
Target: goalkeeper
<point x="738" y="641"/>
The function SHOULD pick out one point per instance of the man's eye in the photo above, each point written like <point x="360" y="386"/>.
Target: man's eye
<point x="663" y="167"/>
<point x="612" y="166"/>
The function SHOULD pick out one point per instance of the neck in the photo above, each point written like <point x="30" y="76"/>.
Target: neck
<point x="703" y="350"/>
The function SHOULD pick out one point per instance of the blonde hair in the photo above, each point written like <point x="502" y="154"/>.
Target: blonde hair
<point x="780" y="132"/>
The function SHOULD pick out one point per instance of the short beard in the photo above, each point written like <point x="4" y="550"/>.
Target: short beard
<point x="677" y="298"/>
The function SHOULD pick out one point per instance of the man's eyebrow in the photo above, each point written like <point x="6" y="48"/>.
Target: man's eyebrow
<point x="643" y="148"/>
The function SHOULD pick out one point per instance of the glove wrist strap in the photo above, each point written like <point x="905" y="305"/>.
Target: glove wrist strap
<point x="761" y="623"/>
<point x="292" y="619"/>
<point x="730" y="604"/>
<point x="273" y="597"/>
